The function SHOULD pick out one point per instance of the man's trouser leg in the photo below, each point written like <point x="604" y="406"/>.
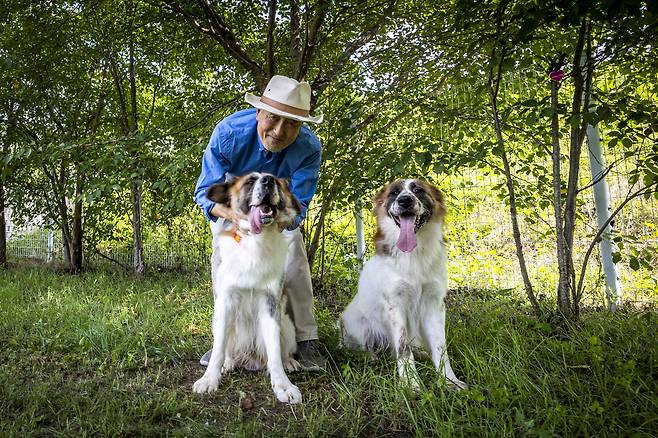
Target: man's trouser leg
<point x="298" y="287"/>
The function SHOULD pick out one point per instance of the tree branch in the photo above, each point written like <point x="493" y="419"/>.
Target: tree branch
<point x="295" y="37"/>
<point x="581" y="279"/>
<point x="321" y="83"/>
<point x="217" y="28"/>
<point x="271" y="24"/>
<point x="312" y="39"/>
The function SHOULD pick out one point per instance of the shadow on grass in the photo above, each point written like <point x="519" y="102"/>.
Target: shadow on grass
<point x="104" y="354"/>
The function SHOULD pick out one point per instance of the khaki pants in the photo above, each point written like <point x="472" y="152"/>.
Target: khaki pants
<point x="297" y="285"/>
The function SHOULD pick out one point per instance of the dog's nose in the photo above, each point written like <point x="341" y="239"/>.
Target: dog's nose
<point x="405" y="201"/>
<point x="267" y="180"/>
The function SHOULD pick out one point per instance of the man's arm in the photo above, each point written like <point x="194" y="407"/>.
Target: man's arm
<point x="214" y="167"/>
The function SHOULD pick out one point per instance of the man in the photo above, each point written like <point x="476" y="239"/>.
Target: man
<point x="272" y="138"/>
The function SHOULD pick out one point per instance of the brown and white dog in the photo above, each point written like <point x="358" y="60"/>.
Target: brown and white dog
<point x="400" y="298"/>
<point x="250" y="327"/>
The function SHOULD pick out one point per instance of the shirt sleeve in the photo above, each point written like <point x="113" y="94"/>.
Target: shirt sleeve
<point x="304" y="182"/>
<point x="214" y="166"/>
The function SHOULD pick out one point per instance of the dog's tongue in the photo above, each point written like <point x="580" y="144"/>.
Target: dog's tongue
<point x="254" y="219"/>
<point x="407" y="240"/>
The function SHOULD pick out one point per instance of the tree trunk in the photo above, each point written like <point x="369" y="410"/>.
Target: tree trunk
<point x="76" y="238"/>
<point x="315" y="241"/>
<point x="138" y="251"/>
<point x="563" y="266"/>
<point x="494" y="84"/>
<point x="576" y="141"/>
<point x="3" y="228"/>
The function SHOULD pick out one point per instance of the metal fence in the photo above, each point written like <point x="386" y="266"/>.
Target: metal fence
<point x="481" y="249"/>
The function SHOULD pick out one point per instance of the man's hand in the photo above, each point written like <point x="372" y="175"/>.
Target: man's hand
<point x="220" y="210"/>
<point x="243" y="227"/>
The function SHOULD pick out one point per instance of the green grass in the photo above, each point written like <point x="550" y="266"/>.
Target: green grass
<point x="105" y="354"/>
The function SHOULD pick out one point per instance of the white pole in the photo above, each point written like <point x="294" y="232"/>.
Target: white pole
<point x="602" y="202"/>
<point x="360" y="235"/>
<point x="49" y="257"/>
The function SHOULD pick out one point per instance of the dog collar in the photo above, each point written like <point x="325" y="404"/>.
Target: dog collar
<point x="233" y="234"/>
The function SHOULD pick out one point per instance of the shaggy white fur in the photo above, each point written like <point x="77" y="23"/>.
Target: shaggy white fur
<point x="400" y="298"/>
<point x="250" y="326"/>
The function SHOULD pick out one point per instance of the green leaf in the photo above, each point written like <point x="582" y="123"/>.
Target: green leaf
<point x="634" y="263"/>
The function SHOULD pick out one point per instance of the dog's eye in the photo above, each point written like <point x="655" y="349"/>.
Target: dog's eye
<point x="417" y="189"/>
<point x="395" y="192"/>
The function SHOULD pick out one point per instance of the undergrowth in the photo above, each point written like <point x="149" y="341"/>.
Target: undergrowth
<point x="105" y="354"/>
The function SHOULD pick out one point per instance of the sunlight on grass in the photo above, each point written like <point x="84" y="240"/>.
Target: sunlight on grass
<point x="104" y="354"/>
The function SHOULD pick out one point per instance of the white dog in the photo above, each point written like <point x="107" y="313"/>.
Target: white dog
<point x="250" y="327"/>
<point x="400" y="298"/>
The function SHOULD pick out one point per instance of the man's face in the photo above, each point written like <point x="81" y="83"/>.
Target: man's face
<point x="276" y="132"/>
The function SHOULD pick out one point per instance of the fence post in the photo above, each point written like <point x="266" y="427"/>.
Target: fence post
<point x="360" y="235"/>
<point x="49" y="255"/>
<point x="602" y="204"/>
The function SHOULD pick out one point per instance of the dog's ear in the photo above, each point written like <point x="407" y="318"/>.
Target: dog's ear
<point x="379" y="200"/>
<point x="283" y="182"/>
<point x="438" y="198"/>
<point x="295" y="203"/>
<point x="220" y="193"/>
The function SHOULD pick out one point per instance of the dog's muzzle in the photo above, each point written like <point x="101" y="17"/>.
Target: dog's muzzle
<point x="264" y="200"/>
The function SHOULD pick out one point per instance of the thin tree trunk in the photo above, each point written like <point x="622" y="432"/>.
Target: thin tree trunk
<point x="315" y="241"/>
<point x="563" y="266"/>
<point x="3" y="228"/>
<point x="575" y="149"/>
<point x="138" y="251"/>
<point x="76" y="242"/>
<point x="494" y="84"/>
<point x="271" y="27"/>
<point x="138" y="247"/>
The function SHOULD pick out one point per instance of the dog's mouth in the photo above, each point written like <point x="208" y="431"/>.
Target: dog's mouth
<point x="409" y="225"/>
<point x="261" y="215"/>
<point x="408" y="217"/>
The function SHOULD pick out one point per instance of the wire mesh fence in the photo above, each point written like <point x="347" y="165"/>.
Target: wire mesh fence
<point x="482" y="253"/>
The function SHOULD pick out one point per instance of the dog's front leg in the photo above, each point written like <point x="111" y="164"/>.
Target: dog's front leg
<point x="402" y="347"/>
<point x="220" y="323"/>
<point x="433" y="321"/>
<point x="269" y="323"/>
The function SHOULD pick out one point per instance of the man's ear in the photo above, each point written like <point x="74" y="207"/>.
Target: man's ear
<point x="220" y="193"/>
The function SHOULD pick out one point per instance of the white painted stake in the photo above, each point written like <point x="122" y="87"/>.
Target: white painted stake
<point x="49" y="257"/>
<point x="602" y="202"/>
<point x="360" y="235"/>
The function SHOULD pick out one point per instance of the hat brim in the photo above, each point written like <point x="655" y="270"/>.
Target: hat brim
<point x="255" y="101"/>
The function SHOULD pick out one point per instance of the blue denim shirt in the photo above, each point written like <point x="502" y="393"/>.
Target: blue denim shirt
<point x="235" y="149"/>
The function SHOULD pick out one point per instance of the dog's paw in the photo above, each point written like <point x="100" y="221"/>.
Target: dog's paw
<point x="205" y="384"/>
<point x="229" y="365"/>
<point x="410" y="382"/>
<point x="291" y="365"/>
<point x="287" y="393"/>
<point x="454" y="384"/>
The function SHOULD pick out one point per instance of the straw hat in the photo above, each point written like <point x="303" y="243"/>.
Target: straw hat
<point x="285" y="97"/>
